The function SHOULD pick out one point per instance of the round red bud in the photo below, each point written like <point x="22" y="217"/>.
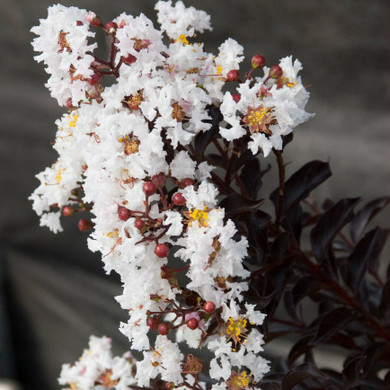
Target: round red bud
<point x="236" y="97"/>
<point x="233" y="75"/>
<point x="85" y="225"/>
<point x="139" y="224"/>
<point x="124" y="213"/>
<point x="186" y="182"/>
<point x="161" y="250"/>
<point x="149" y="188"/>
<point x="163" y="328"/>
<point x="159" y="180"/>
<point x="178" y="199"/>
<point x="152" y="323"/>
<point x="258" y="61"/>
<point x="276" y="72"/>
<point x="79" y="23"/>
<point x="192" y="323"/>
<point x="68" y="211"/>
<point x="209" y="307"/>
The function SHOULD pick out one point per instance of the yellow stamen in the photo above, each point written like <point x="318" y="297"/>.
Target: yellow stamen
<point x="236" y="330"/>
<point x="73" y="122"/>
<point x="199" y="215"/>
<point x="182" y="38"/>
<point x="240" y="380"/>
<point x="58" y="176"/>
<point x="259" y="119"/>
<point x="219" y="70"/>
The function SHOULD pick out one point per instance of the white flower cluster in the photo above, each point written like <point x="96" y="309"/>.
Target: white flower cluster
<point x="97" y="369"/>
<point x="125" y="154"/>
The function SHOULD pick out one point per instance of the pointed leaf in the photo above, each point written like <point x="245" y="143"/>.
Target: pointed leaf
<point x="235" y="204"/>
<point x="251" y="177"/>
<point x="329" y="225"/>
<point x="365" y="214"/>
<point x="331" y="323"/>
<point x="299" y="374"/>
<point x="302" y="182"/>
<point x="365" y="255"/>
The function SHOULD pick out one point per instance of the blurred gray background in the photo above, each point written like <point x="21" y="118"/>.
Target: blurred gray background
<point x="53" y="292"/>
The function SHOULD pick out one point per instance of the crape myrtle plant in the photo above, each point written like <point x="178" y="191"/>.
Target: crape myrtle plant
<point x="160" y="156"/>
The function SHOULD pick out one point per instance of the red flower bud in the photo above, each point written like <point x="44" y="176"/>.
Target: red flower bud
<point x="186" y="182"/>
<point x="276" y="72"/>
<point x="178" y="199"/>
<point x="161" y="250"/>
<point x="124" y="213"/>
<point x="85" y="225"/>
<point x="233" y="75"/>
<point x="139" y="224"/>
<point x="258" y="61"/>
<point x="192" y="323"/>
<point x="163" y="328"/>
<point x="68" y="211"/>
<point x="149" y="188"/>
<point x="209" y="307"/>
<point x="159" y="180"/>
<point x="152" y="323"/>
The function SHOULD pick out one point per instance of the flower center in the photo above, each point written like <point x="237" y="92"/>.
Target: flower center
<point x="239" y="380"/>
<point x="134" y="101"/>
<point x="64" y="44"/>
<point x="131" y="143"/>
<point x="259" y="119"/>
<point x="199" y="215"/>
<point x="182" y="38"/>
<point x="236" y="329"/>
<point x="178" y="112"/>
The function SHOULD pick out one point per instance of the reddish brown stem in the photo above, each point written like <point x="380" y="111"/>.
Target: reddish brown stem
<point x="282" y="174"/>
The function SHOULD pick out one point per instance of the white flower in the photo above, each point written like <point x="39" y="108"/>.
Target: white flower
<point x="178" y="20"/>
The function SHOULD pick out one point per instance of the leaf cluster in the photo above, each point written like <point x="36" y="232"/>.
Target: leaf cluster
<point x="315" y="271"/>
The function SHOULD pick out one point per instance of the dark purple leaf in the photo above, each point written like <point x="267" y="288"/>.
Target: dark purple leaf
<point x="301" y="183"/>
<point x="235" y="204"/>
<point x="352" y="369"/>
<point x="215" y="159"/>
<point x="293" y="311"/>
<point x="251" y="177"/>
<point x="277" y="279"/>
<point x="257" y="233"/>
<point x="365" y="255"/>
<point x="280" y="246"/>
<point x="301" y="373"/>
<point x="300" y="348"/>
<point x="293" y="221"/>
<point x="384" y="306"/>
<point x="376" y="353"/>
<point x="331" y="323"/>
<point x="364" y="216"/>
<point x="303" y="287"/>
<point x="329" y="225"/>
